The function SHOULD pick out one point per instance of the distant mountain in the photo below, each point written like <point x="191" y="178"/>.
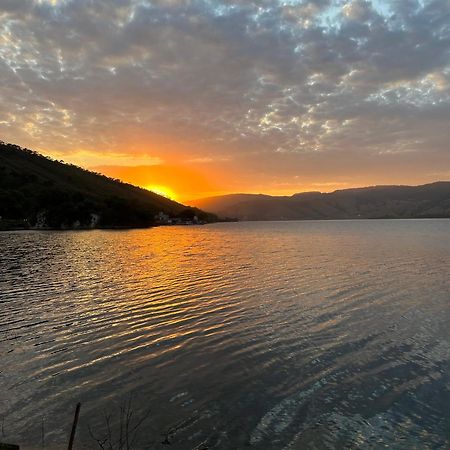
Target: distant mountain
<point x="36" y="191"/>
<point x="426" y="201"/>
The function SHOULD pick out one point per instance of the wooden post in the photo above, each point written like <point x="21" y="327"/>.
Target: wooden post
<point x="74" y="426"/>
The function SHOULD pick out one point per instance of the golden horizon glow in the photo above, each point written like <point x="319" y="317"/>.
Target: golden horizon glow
<point x="162" y="190"/>
<point x="188" y="183"/>
<point x="178" y="182"/>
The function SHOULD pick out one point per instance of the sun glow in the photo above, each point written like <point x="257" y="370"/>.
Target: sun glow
<point x="162" y="190"/>
<point x="177" y="182"/>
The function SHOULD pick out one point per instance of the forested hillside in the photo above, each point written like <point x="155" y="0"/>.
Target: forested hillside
<point x="36" y="191"/>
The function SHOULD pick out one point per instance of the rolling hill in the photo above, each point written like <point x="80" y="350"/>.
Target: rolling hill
<point x="426" y="201"/>
<point x="38" y="192"/>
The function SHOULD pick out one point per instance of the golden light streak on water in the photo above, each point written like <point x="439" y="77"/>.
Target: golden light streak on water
<point x="269" y="335"/>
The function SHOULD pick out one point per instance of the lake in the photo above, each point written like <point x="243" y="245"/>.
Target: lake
<point x="267" y="335"/>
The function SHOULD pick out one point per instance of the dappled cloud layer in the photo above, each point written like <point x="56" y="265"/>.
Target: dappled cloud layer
<point x="274" y="96"/>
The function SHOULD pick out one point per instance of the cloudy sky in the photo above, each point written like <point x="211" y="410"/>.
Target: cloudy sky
<point x="198" y="97"/>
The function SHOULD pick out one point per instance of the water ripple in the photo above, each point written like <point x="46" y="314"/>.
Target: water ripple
<point x="270" y="335"/>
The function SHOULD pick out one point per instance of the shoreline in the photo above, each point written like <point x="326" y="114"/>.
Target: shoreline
<point x="125" y="228"/>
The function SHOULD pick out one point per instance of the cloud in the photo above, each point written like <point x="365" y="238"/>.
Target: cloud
<point x="236" y="80"/>
<point x="358" y="10"/>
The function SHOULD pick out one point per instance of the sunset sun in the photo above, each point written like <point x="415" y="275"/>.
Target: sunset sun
<point x="162" y="190"/>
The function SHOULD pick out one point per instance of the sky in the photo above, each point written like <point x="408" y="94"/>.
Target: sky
<point x="193" y="98"/>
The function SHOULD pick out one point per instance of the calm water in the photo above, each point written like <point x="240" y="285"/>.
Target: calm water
<point x="291" y="335"/>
